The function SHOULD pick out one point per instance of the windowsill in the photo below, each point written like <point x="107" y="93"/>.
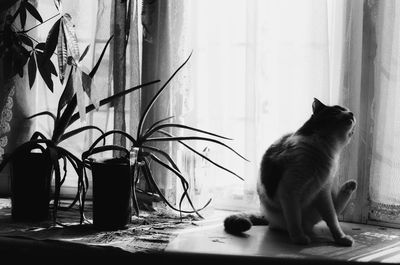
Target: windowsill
<point x="197" y="242"/>
<point x="372" y="244"/>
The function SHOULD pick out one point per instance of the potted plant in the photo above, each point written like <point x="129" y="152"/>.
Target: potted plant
<point x="136" y="162"/>
<point x="30" y="167"/>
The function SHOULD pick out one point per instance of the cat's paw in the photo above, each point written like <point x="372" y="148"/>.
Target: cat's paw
<point x="349" y="186"/>
<point x="301" y="240"/>
<point x="346" y="241"/>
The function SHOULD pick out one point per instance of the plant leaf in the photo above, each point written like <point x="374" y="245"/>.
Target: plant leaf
<point x="84" y="53"/>
<point x="174" y="125"/>
<point x="78" y="166"/>
<point x="163" y="153"/>
<point x="48" y="113"/>
<point x="51" y="41"/>
<point x="158" y="122"/>
<point x="63" y="120"/>
<point x="153" y="100"/>
<point x="96" y="67"/>
<point x="104" y="148"/>
<point x="45" y="70"/>
<point x="37" y="135"/>
<point x="111" y="98"/>
<point x="57" y="4"/>
<point x="32" y="10"/>
<point x="149" y="177"/>
<point x="190" y="138"/>
<point x="86" y="83"/>
<point x="204" y="157"/>
<point x="25" y="40"/>
<point x="68" y="91"/>
<point x="103" y="136"/>
<point x="148" y="174"/>
<point x="22" y="14"/>
<point x="52" y="68"/>
<point x="32" y="70"/>
<point x="41" y="46"/>
<point x="184" y="182"/>
<point x="79" y="130"/>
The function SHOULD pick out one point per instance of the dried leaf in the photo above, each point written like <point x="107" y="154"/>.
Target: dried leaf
<point x="72" y="40"/>
<point x="62" y="54"/>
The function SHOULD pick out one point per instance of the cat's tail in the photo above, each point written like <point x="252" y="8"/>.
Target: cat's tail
<point x="241" y="222"/>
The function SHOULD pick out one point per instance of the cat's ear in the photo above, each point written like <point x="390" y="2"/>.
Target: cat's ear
<point x="317" y="106"/>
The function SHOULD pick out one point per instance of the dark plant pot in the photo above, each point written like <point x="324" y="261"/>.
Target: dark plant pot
<point x="30" y="187"/>
<point x="112" y="194"/>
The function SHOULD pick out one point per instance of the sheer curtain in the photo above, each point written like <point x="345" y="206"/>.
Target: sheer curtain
<point x="256" y="67"/>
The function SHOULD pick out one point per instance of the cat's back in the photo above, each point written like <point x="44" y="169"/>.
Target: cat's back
<point x="295" y="153"/>
<point x="273" y="164"/>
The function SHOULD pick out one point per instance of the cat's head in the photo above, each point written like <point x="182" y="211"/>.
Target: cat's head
<point x="336" y="123"/>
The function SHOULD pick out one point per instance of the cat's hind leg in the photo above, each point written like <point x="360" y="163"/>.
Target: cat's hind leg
<point x="293" y="216"/>
<point x="341" y="199"/>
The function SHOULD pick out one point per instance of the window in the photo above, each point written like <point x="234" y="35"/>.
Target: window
<point x="255" y="69"/>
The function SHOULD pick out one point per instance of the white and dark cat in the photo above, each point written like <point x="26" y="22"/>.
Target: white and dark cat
<point x="296" y="176"/>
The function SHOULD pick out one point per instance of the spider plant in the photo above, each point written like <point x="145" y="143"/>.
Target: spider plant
<point x="65" y="117"/>
<point x="146" y="153"/>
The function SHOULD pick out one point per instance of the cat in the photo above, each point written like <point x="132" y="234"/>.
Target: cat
<point x="295" y="184"/>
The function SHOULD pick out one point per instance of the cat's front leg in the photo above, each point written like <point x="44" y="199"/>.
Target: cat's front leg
<point x="326" y="209"/>
<point x="292" y="213"/>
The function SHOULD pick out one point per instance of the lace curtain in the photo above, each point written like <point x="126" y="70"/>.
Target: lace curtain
<point x="385" y="166"/>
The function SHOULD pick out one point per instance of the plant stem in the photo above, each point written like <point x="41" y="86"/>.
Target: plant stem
<point x="26" y="31"/>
